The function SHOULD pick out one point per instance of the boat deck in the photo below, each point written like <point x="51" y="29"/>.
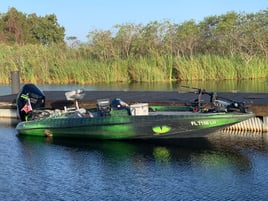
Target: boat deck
<point x="257" y="102"/>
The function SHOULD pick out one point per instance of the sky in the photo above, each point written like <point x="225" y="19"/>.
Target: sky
<point x="79" y="17"/>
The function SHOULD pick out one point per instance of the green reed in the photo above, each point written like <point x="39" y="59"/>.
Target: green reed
<point x="60" y="65"/>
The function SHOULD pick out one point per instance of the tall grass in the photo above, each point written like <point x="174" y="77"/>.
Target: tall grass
<point x="60" y="65"/>
<point x="214" y="67"/>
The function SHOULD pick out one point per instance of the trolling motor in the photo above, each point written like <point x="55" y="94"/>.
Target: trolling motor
<point x="227" y="105"/>
<point x="218" y="104"/>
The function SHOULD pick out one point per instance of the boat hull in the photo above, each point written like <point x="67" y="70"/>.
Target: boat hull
<point x="133" y="127"/>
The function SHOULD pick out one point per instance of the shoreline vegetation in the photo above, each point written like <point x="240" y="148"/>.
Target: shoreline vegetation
<point x="52" y="65"/>
<point x="231" y="46"/>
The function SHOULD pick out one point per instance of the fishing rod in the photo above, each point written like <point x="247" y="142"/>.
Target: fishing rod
<point x="203" y="91"/>
<point x="220" y="102"/>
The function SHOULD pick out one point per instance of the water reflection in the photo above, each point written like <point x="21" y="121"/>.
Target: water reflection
<point x="257" y="85"/>
<point x="8" y="122"/>
<point x="227" y="165"/>
<point x="219" y="150"/>
<point x="257" y="141"/>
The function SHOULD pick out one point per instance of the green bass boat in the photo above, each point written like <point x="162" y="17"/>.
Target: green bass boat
<point x="118" y="120"/>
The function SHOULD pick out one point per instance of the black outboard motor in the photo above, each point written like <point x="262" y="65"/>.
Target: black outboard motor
<point x="30" y="97"/>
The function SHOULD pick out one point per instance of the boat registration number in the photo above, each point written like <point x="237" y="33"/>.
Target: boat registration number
<point x="203" y="123"/>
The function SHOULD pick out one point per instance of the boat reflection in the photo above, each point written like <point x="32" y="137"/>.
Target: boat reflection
<point x="219" y="150"/>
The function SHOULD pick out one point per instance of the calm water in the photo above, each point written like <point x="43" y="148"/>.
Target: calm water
<point x="233" y="167"/>
<point x="226" y="166"/>
<point x="258" y="85"/>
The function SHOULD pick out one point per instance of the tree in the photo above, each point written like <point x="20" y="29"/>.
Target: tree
<point x="227" y="33"/>
<point x="187" y="37"/>
<point x="260" y="32"/>
<point x="17" y="27"/>
<point x="208" y="42"/>
<point x="46" y="30"/>
<point x="102" y="43"/>
<point x="124" y="38"/>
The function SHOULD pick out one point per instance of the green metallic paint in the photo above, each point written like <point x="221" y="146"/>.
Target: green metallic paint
<point x="126" y="126"/>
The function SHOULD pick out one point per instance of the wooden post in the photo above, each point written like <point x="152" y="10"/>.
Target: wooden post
<point x="15" y="81"/>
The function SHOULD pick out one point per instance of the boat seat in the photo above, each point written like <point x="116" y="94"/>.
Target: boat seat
<point x="104" y="107"/>
<point x="75" y="95"/>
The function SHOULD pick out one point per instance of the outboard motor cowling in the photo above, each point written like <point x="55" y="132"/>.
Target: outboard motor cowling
<point x="30" y="97"/>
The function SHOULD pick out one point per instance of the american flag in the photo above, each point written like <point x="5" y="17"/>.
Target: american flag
<point x="27" y="107"/>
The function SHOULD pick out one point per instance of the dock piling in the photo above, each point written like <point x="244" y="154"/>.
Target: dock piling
<point x="15" y="81"/>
